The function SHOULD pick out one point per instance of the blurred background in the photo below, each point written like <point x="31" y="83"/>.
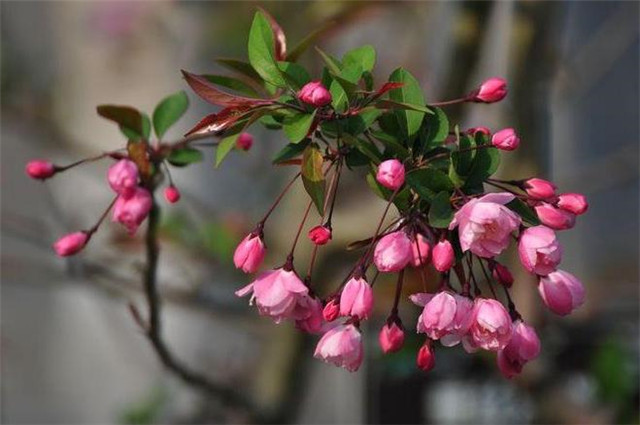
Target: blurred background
<point x="70" y="351"/>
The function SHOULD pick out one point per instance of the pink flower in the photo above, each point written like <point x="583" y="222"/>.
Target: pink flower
<point x="308" y="314"/>
<point x="446" y="317"/>
<point x="71" y="244"/>
<point x="540" y="252"/>
<point x="123" y="177"/>
<point x="315" y="94"/>
<point x="172" y="194"/>
<point x="555" y="218"/>
<point x="393" y="252"/>
<point x="540" y="189"/>
<point x="523" y="347"/>
<point x="490" y="326"/>
<point x="391" y="338"/>
<point x="573" y="202"/>
<point x="561" y="291"/>
<point x="40" y="169"/>
<point x="420" y="250"/>
<point x="485" y="224"/>
<point x="356" y="298"/>
<point x="442" y="256"/>
<point x="482" y="130"/>
<point x="320" y="235"/>
<point x="249" y="253"/>
<point x="132" y="211"/>
<point x="421" y="298"/>
<point x="245" y="141"/>
<point x="341" y="346"/>
<point x="502" y="275"/>
<point x="390" y="174"/>
<point x="426" y="360"/>
<point x="331" y="311"/>
<point x="506" y="140"/>
<point x="492" y="90"/>
<point x="276" y="293"/>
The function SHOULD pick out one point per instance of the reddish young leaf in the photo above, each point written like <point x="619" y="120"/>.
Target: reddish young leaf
<point x="385" y="88"/>
<point x="138" y="153"/>
<point x="278" y="36"/>
<point x="203" y="88"/>
<point x="214" y="123"/>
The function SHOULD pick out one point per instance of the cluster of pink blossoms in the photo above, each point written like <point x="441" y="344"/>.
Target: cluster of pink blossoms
<point x="485" y="227"/>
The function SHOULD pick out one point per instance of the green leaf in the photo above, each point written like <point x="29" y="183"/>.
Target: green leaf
<point x="524" y="211"/>
<point x="339" y="98"/>
<point x="410" y="93"/>
<point x="295" y="74"/>
<point x="440" y="212"/>
<point x="168" y="111"/>
<point x="297" y="127"/>
<point x="463" y="157"/>
<point x="225" y="146"/>
<point x="312" y="176"/>
<point x="364" y="146"/>
<point x="364" y="56"/>
<point x="292" y="150"/>
<point x="391" y="104"/>
<point x="391" y="143"/>
<point x="184" y="156"/>
<point x="332" y="63"/>
<point x="146" y="130"/>
<point x="401" y="201"/>
<point x="435" y="129"/>
<point x="127" y="117"/>
<point x="484" y="165"/>
<point x="270" y="122"/>
<point x="261" y="51"/>
<point x="427" y="182"/>
<point x="232" y="83"/>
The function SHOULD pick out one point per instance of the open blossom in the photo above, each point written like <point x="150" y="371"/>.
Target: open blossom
<point x="131" y="211"/>
<point x="315" y="94"/>
<point x="540" y="189"/>
<point x="123" y="177"/>
<point x="249" y="254"/>
<point x="391" y="338"/>
<point x="276" y="293"/>
<point x="442" y="256"/>
<point x="426" y="360"/>
<point x="356" y="298"/>
<point x="485" y="224"/>
<point x="71" y="244"/>
<point x="341" y="346"/>
<point x="490" y="325"/>
<point x="40" y="169"/>
<point x="523" y="347"/>
<point x="393" y="252"/>
<point x="556" y="218"/>
<point x="320" y="235"/>
<point x="420" y="250"/>
<point x="308" y="314"/>
<point x="539" y="250"/>
<point x="446" y="317"/>
<point x="506" y="140"/>
<point x="573" y="202"/>
<point x="390" y="174"/>
<point x="561" y="291"/>
<point x="492" y="90"/>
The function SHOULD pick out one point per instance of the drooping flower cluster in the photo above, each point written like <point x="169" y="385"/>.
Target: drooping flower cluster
<point x="451" y="214"/>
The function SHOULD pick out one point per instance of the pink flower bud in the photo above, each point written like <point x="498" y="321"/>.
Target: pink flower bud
<point x="556" y="218"/>
<point x="506" y="140"/>
<point x="426" y="359"/>
<point x="315" y="94"/>
<point x="320" y="235"/>
<point x="442" y="256"/>
<point x="132" y="211"/>
<point x="490" y="326"/>
<point x="341" y="346"/>
<point x="420" y="249"/>
<point x="502" y="275"/>
<point x="391" y="338"/>
<point x="391" y="174"/>
<point x="40" y="169"/>
<point x="482" y="130"/>
<point x="573" y="202"/>
<point x="539" y="250"/>
<point x="492" y="90"/>
<point x="245" y="141"/>
<point x="393" y="252"/>
<point x="523" y="347"/>
<point x="356" y="299"/>
<point x="540" y="189"/>
<point x="446" y="317"/>
<point x="249" y="254"/>
<point x="308" y="315"/>
<point x="172" y="194"/>
<point x="123" y="177"/>
<point x="561" y="291"/>
<point x="331" y="311"/>
<point x="71" y="244"/>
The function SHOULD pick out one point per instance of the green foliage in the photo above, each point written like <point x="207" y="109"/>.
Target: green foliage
<point x="297" y="126"/>
<point x="262" y="51"/>
<point x="184" y="156"/>
<point x="440" y="212"/>
<point x="168" y="111"/>
<point x="410" y="94"/>
<point x="313" y="177"/>
<point x="292" y="150"/>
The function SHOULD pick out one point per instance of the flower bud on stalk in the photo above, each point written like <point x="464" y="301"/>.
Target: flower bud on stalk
<point x="315" y="94"/>
<point x="71" y="244"/>
<point x="426" y="359"/>
<point x="249" y="254"/>
<point x="331" y="311"/>
<point x="502" y="275"/>
<point x="172" y="194"/>
<point x="391" y="337"/>
<point x="540" y="189"/>
<point x="245" y="141"/>
<point x="506" y="140"/>
<point x="320" y="235"/>
<point x="574" y="203"/>
<point x="555" y="218"/>
<point x="492" y="90"/>
<point x="40" y="169"/>
<point x="390" y="174"/>
<point x="442" y="256"/>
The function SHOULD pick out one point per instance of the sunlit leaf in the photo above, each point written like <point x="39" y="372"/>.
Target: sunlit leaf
<point x="168" y="111"/>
